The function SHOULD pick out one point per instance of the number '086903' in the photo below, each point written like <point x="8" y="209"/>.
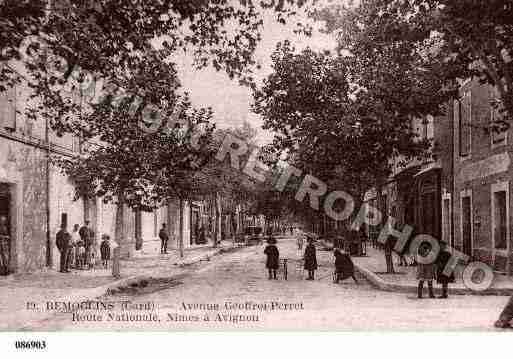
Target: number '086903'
<point x="30" y="344"/>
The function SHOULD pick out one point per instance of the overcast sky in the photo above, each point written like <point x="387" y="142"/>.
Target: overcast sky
<point x="230" y="101"/>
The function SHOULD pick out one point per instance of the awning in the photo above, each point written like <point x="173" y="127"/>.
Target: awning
<point x="430" y="167"/>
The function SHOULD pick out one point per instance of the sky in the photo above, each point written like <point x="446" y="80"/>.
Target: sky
<point x="230" y="101"/>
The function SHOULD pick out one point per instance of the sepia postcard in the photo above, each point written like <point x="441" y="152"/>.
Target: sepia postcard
<point x="249" y="165"/>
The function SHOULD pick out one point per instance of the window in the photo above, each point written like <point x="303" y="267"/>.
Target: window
<point x="463" y="114"/>
<point x="76" y="144"/>
<point x="64" y="219"/>
<point x="498" y="130"/>
<point x="8" y="109"/>
<point x="423" y="128"/>
<point x="500" y="213"/>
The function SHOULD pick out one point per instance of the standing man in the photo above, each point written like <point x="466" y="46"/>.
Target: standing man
<point x="4" y="246"/>
<point x="85" y="236"/>
<point x="164" y="238"/>
<point x="63" y="241"/>
<point x="443" y="258"/>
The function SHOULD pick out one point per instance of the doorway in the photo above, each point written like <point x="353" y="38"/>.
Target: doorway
<point x="466" y="224"/>
<point x="5" y="230"/>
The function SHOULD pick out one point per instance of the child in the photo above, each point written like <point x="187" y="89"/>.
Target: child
<point x="310" y="258"/>
<point x="425" y="272"/>
<point x="105" y="250"/>
<point x="344" y="267"/>
<point x="273" y="257"/>
<point x="80" y="254"/>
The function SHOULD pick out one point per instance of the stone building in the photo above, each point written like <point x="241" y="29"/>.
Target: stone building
<point x="462" y="193"/>
<point x="482" y="174"/>
<point x="36" y="197"/>
<point x="419" y="193"/>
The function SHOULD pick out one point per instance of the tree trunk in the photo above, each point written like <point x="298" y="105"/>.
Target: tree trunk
<point x="119" y="235"/>
<point x="180" y="229"/>
<point x="382" y="208"/>
<point x="219" y="219"/>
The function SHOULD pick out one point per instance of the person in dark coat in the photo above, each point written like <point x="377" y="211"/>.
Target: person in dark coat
<point x="164" y="238"/>
<point x="310" y="259"/>
<point x="273" y="258"/>
<point x="63" y="241"/>
<point x="86" y="237"/>
<point x="441" y="262"/>
<point x="344" y="267"/>
<point x="105" y="250"/>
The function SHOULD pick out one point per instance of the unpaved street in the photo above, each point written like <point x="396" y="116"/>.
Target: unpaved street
<point x="233" y="293"/>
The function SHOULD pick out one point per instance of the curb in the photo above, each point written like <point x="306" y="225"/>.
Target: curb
<point x="96" y="292"/>
<point x="379" y="283"/>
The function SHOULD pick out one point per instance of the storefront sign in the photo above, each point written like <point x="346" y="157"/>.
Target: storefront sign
<point x="490" y="166"/>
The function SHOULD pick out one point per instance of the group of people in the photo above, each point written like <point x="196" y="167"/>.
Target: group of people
<point x="344" y="267"/>
<point x="78" y="249"/>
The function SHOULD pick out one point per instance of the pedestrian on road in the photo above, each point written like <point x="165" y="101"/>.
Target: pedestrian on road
<point x="202" y="236"/>
<point x="389" y="245"/>
<point x="310" y="259"/>
<point x="63" y="241"/>
<point x="4" y="246"/>
<point x="273" y="257"/>
<point x="402" y="260"/>
<point x="425" y="272"/>
<point x="105" y="250"/>
<point x="164" y="238"/>
<point x="344" y="267"/>
<point x="443" y="258"/>
<point x="291" y="230"/>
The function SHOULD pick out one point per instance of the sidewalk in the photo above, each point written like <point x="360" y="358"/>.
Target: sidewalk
<point x="79" y="285"/>
<point x="373" y="267"/>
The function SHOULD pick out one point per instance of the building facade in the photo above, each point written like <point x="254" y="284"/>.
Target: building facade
<point x="36" y="198"/>
<point x="482" y="176"/>
<point x="461" y="194"/>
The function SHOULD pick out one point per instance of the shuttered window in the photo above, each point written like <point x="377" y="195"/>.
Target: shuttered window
<point x="464" y="112"/>
<point x="8" y="109"/>
<point x="498" y="128"/>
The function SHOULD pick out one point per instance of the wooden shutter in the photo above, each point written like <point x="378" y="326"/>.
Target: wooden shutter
<point x="8" y="109"/>
<point x="465" y="122"/>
